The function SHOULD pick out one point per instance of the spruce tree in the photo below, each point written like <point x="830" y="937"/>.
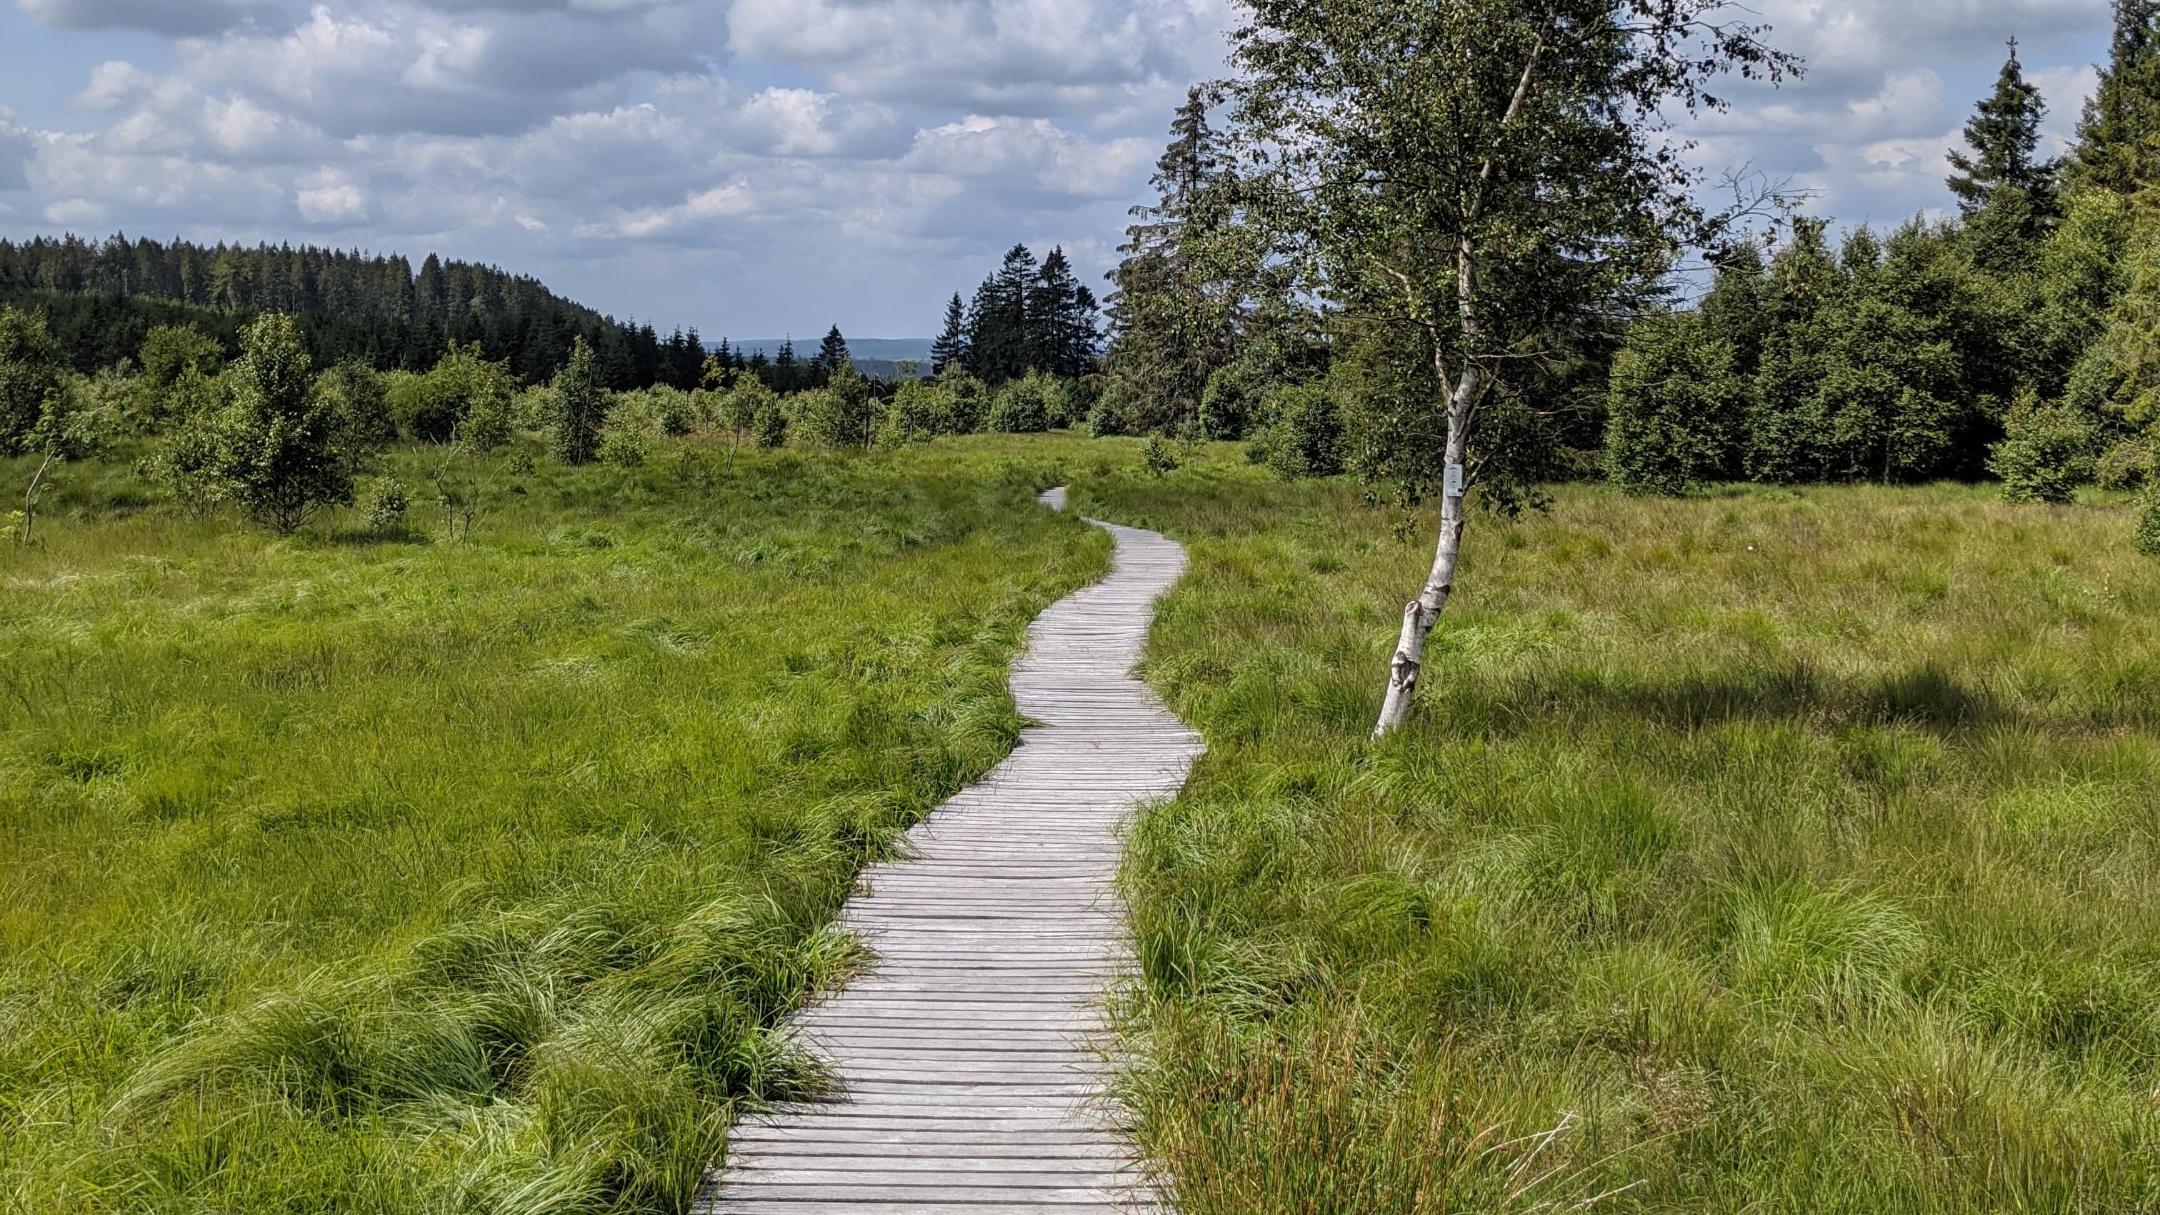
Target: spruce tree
<point x="2116" y="135"/>
<point x="1060" y="320"/>
<point x="832" y="353"/>
<point x="997" y="337"/>
<point x="1171" y="316"/>
<point x="2002" y="145"/>
<point x="951" y="347"/>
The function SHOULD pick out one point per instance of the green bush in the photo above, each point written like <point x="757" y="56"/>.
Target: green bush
<point x="2148" y="523"/>
<point x="280" y="451"/>
<point x="31" y="377"/>
<point x="356" y="395"/>
<point x="1304" y="433"/>
<point x="1675" y="408"/>
<point x="2046" y="452"/>
<point x="1157" y="458"/>
<point x="624" y="446"/>
<point x="2127" y="465"/>
<point x="1021" y="407"/>
<point x="581" y="407"/>
<point x="386" y="509"/>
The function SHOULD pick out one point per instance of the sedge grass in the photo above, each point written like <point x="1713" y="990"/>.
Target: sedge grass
<point x="386" y="873"/>
<point x="1771" y="851"/>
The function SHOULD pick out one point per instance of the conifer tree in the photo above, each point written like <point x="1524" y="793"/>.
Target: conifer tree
<point x="1061" y="332"/>
<point x="2118" y="132"/>
<point x="951" y="347"/>
<point x="832" y="353"/>
<point x="2003" y="186"/>
<point x="998" y="346"/>
<point x="1171" y="316"/>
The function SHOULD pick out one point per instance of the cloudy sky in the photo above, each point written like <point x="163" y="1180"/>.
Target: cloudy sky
<point x="762" y="167"/>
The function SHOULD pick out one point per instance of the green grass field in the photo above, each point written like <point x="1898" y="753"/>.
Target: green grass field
<point x="1769" y="852"/>
<point x="340" y="873"/>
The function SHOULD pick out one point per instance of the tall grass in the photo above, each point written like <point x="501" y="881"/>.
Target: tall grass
<point x="368" y="872"/>
<point x="1765" y="851"/>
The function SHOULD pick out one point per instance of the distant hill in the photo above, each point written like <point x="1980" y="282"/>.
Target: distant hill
<point x="101" y="297"/>
<point x="865" y="350"/>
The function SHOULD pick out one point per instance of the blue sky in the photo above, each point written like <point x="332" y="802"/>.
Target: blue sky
<point x="757" y="167"/>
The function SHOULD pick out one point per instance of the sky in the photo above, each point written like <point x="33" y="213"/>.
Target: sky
<point x="761" y="168"/>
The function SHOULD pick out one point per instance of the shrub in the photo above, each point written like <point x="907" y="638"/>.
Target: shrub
<point x="842" y="414"/>
<point x="624" y="446"/>
<point x="917" y="410"/>
<point x="463" y="397"/>
<point x="279" y="449"/>
<point x="1021" y="407"/>
<point x="1304" y="434"/>
<point x="1232" y="401"/>
<point x="1675" y="408"/>
<point x="581" y="407"/>
<point x="356" y="395"/>
<point x="2046" y="452"/>
<point x="1157" y="458"/>
<point x="967" y="402"/>
<point x="386" y="510"/>
<point x="2127" y="465"/>
<point x="31" y="377"/>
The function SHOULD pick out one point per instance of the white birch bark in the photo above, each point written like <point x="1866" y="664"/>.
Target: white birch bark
<point x="1422" y="613"/>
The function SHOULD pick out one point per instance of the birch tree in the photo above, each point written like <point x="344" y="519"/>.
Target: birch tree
<point x="1491" y="172"/>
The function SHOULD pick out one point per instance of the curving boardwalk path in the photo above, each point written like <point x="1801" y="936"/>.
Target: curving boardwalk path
<point x="971" y="1058"/>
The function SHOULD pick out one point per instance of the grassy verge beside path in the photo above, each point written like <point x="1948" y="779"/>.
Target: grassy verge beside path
<point x="1766" y="852"/>
<point x="354" y="873"/>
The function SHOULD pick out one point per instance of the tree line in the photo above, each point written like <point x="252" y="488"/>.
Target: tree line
<point x="1027" y="316"/>
<point x="2012" y="339"/>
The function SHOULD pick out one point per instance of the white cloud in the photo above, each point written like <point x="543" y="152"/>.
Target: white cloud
<point x="331" y="203"/>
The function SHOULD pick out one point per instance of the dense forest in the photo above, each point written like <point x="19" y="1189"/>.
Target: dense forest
<point x="102" y="298"/>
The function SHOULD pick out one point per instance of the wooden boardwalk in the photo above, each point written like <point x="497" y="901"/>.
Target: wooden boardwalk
<point x="971" y="1058"/>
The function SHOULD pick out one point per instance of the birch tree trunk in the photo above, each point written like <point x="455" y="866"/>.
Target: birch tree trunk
<point x="1423" y="612"/>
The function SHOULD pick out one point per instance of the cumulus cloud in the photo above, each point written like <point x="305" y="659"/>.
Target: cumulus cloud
<point x="806" y="157"/>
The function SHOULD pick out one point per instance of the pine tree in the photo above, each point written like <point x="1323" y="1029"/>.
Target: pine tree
<point x="951" y="347"/>
<point x="1171" y="316"/>
<point x="1061" y="332"/>
<point x="2002" y="185"/>
<point x="2118" y="132"/>
<point x="998" y="345"/>
<point x="832" y="353"/>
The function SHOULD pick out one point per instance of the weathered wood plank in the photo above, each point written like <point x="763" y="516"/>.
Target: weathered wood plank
<point x="968" y="1058"/>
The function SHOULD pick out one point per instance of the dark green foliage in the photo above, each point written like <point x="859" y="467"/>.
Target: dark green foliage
<point x="1678" y="407"/>
<point x="1304" y="433"/>
<point x="581" y="408"/>
<point x="2148" y="523"/>
<point x="2119" y="134"/>
<point x="281" y="452"/>
<point x="30" y="377"/>
<point x="2047" y="453"/>
<point x="951" y="348"/>
<point x="2000" y="166"/>
<point x="107" y="297"/>
<point x="832" y="353"/>
<point x="1026" y="317"/>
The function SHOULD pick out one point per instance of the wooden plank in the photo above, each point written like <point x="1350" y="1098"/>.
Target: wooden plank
<point x="968" y="1058"/>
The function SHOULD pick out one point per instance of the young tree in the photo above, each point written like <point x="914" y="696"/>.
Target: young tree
<point x="279" y="449"/>
<point x="1787" y="438"/>
<point x="1496" y="169"/>
<point x="581" y="407"/>
<point x="2047" y="451"/>
<point x="951" y="347"/>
